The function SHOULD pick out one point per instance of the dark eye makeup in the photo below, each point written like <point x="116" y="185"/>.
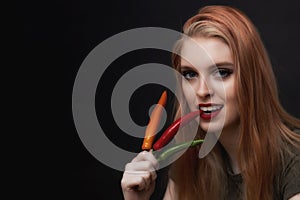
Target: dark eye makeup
<point x="220" y="71"/>
<point x="189" y="74"/>
<point x="223" y="72"/>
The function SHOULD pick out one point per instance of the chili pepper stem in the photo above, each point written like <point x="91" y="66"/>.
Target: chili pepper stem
<point x="167" y="153"/>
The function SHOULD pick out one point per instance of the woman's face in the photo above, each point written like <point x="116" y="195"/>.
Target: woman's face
<point x="208" y="83"/>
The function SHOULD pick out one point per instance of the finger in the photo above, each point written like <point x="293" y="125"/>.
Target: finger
<point x="142" y="167"/>
<point x="147" y="175"/>
<point x="145" y="185"/>
<point x="145" y="155"/>
<point x="133" y="182"/>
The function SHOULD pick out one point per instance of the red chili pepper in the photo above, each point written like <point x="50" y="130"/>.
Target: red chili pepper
<point x="171" y="131"/>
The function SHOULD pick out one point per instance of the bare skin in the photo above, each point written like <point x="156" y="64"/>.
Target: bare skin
<point x="138" y="182"/>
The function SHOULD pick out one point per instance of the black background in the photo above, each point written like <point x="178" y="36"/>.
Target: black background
<point x="58" y="35"/>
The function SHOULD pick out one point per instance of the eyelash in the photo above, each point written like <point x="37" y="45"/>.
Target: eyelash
<point x="189" y="74"/>
<point x="220" y="73"/>
<point x="227" y="72"/>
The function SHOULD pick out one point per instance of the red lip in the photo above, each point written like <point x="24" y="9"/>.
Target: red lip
<point x="209" y="116"/>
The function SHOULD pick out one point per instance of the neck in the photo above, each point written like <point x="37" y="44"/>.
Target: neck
<point x="229" y="140"/>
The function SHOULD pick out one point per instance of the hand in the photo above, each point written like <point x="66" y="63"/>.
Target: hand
<point x="138" y="180"/>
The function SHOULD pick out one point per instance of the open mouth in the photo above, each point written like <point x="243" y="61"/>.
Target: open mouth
<point x="209" y="111"/>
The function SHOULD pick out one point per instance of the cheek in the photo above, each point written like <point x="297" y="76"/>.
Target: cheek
<point x="230" y="92"/>
<point x="231" y="101"/>
<point x="225" y="90"/>
<point x="188" y="94"/>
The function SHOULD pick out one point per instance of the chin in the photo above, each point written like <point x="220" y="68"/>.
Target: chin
<point x="211" y="126"/>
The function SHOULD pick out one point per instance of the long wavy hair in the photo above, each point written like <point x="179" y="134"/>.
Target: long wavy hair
<point x="266" y="128"/>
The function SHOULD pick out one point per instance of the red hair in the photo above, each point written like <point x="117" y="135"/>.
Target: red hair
<point x="266" y="127"/>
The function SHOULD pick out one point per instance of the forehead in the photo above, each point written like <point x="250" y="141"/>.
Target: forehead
<point x="203" y="51"/>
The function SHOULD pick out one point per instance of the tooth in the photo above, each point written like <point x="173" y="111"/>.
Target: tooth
<point x="211" y="108"/>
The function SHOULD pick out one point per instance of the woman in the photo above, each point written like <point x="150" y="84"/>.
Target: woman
<point x="257" y="156"/>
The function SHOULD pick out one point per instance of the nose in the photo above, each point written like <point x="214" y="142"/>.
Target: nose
<point x="203" y="90"/>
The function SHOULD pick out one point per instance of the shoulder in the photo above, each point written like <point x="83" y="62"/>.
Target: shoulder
<point x="290" y="175"/>
<point x="291" y="152"/>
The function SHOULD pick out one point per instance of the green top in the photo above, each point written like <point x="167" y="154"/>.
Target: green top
<point x="289" y="179"/>
<point x="287" y="187"/>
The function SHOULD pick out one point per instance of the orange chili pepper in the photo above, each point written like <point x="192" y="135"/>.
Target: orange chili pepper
<point x="154" y="122"/>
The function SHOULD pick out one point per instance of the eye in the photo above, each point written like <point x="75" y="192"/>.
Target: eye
<point x="223" y="73"/>
<point x="189" y="74"/>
